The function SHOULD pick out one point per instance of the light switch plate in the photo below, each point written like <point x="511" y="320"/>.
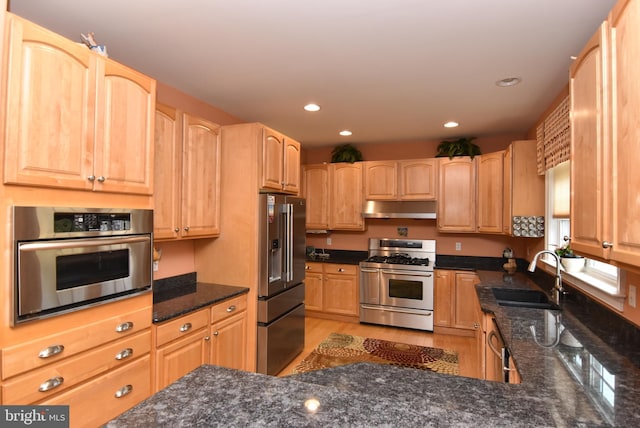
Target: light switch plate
<point x="632" y="296"/>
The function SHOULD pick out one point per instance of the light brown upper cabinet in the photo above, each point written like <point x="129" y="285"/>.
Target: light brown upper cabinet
<point x="345" y="196"/>
<point x="490" y="192"/>
<point x="316" y="186"/>
<point x="523" y="187"/>
<point x="187" y="173"/>
<point x="604" y="149"/>
<point x="280" y="162"/>
<point x="334" y="196"/>
<point x="78" y="120"/>
<point x="457" y="194"/>
<point x="400" y="180"/>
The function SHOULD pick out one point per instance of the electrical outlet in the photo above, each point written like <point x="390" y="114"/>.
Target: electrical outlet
<point x="155" y="266"/>
<point x="458" y="246"/>
<point x="328" y="241"/>
<point x="632" y="296"/>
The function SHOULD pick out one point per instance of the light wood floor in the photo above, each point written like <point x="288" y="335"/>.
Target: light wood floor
<point x="318" y="329"/>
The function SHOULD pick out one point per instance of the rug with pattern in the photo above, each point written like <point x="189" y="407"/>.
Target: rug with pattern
<point x="341" y="349"/>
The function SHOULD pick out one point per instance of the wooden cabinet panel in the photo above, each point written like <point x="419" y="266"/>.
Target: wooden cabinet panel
<point x="167" y="173"/>
<point x="332" y="289"/>
<point x="316" y="192"/>
<point x="25" y="356"/>
<point x="345" y="196"/>
<point x="70" y="372"/>
<point x="589" y="201"/>
<point x="272" y="159"/>
<point x="465" y="313"/>
<point x="182" y="326"/>
<point x="182" y="356"/>
<point x="78" y="120"/>
<point x="442" y="294"/>
<point x="625" y="133"/>
<point x="313" y="279"/>
<point x="418" y="179"/>
<point x="95" y="403"/>
<point x="50" y="108"/>
<point x="490" y="192"/>
<point x="291" y="167"/>
<point x="229" y="342"/>
<point x="380" y="180"/>
<point x="201" y="178"/>
<point x="457" y="194"/>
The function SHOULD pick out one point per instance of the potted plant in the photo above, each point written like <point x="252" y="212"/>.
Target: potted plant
<point x="570" y="261"/>
<point x="460" y="147"/>
<point x="346" y="153"/>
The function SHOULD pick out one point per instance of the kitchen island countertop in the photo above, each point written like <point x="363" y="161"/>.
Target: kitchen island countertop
<point x="569" y="378"/>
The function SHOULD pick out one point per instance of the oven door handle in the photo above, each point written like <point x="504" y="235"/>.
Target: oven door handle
<point x="407" y="272"/>
<point x="74" y="243"/>
<point x="370" y="270"/>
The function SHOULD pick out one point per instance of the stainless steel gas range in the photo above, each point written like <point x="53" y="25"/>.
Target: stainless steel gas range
<point x="396" y="283"/>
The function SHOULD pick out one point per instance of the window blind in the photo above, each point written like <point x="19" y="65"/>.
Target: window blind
<point x="554" y="138"/>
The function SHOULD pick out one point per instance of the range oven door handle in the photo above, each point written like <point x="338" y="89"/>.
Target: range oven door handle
<point x="369" y="270"/>
<point x="74" y="243"/>
<point x="407" y="272"/>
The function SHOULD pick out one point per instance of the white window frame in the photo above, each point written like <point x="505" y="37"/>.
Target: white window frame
<point x="603" y="284"/>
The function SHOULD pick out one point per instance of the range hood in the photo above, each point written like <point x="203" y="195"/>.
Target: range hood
<point x="399" y="209"/>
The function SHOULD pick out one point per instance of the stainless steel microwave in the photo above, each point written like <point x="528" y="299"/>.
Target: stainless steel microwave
<point x="67" y="259"/>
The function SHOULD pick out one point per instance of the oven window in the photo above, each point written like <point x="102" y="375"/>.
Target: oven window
<point x="89" y="268"/>
<point x="405" y="289"/>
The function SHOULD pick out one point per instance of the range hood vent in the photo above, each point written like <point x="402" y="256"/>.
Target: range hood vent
<point x="399" y="209"/>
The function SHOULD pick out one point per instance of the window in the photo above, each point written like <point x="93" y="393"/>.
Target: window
<point x="598" y="279"/>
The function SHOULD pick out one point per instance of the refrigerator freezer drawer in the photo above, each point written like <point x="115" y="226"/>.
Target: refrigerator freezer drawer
<point x="271" y="308"/>
<point x="280" y="342"/>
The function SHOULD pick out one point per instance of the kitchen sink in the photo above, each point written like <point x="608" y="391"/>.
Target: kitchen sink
<point x="523" y="298"/>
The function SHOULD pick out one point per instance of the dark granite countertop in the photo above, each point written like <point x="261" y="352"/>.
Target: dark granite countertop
<point x="183" y="294"/>
<point x="347" y="257"/>
<point x="569" y="378"/>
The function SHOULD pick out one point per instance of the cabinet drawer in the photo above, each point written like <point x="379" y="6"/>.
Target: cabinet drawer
<point x="229" y="307"/>
<point x="27" y="356"/>
<point x="313" y="267"/>
<point x="71" y="371"/>
<point x="340" y="269"/>
<point x="182" y="326"/>
<point x="98" y="401"/>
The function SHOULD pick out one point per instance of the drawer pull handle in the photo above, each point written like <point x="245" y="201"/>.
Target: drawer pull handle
<point x="607" y="244"/>
<point x="50" y="351"/>
<point x="231" y="308"/>
<point x="125" y="326"/>
<point x="340" y="270"/>
<point x="215" y="333"/>
<point x="125" y="353"/>
<point x="185" y="327"/>
<point x="48" y="385"/>
<point x="123" y="391"/>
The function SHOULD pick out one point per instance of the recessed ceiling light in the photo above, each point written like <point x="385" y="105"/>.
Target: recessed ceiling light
<point x="346" y="133"/>
<point x="508" y="81"/>
<point x="312" y="107"/>
<point x="451" y="124"/>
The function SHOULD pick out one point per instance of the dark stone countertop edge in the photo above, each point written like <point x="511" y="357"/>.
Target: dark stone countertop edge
<point x="189" y="298"/>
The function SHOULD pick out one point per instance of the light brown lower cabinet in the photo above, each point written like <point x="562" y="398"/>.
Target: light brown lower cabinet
<point x="492" y="346"/>
<point x="332" y="290"/>
<point x="213" y="335"/>
<point x="456" y="302"/>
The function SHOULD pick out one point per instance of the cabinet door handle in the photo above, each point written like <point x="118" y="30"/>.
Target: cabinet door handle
<point x="124" y="391"/>
<point x="231" y="308"/>
<point x="50" y="384"/>
<point x="185" y="327"/>
<point x="125" y="353"/>
<point x="215" y="333"/>
<point x="176" y="230"/>
<point x="101" y="179"/>
<point x="125" y="326"/>
<point x="607" y="244"/>
<point x="50" y="351"/>
<point x="91" y="178"/>
<point x="186" y="228"/>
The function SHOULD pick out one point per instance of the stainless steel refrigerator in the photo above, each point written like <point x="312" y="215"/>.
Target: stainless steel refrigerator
<point x="281" y="286"/>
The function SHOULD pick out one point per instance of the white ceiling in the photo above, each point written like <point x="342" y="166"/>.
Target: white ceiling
<point x="389" y="70"/>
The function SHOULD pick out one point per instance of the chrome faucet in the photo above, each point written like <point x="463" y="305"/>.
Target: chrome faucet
<point x="557" y="288"/>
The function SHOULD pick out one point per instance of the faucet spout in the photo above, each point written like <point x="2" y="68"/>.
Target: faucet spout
<point x="558" y="290"/>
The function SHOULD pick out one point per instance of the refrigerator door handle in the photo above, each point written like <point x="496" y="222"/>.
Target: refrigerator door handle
<point x="288" y="232"/>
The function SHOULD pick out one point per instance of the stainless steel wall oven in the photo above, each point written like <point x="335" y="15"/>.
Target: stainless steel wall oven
<point x="66" y="259"/>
